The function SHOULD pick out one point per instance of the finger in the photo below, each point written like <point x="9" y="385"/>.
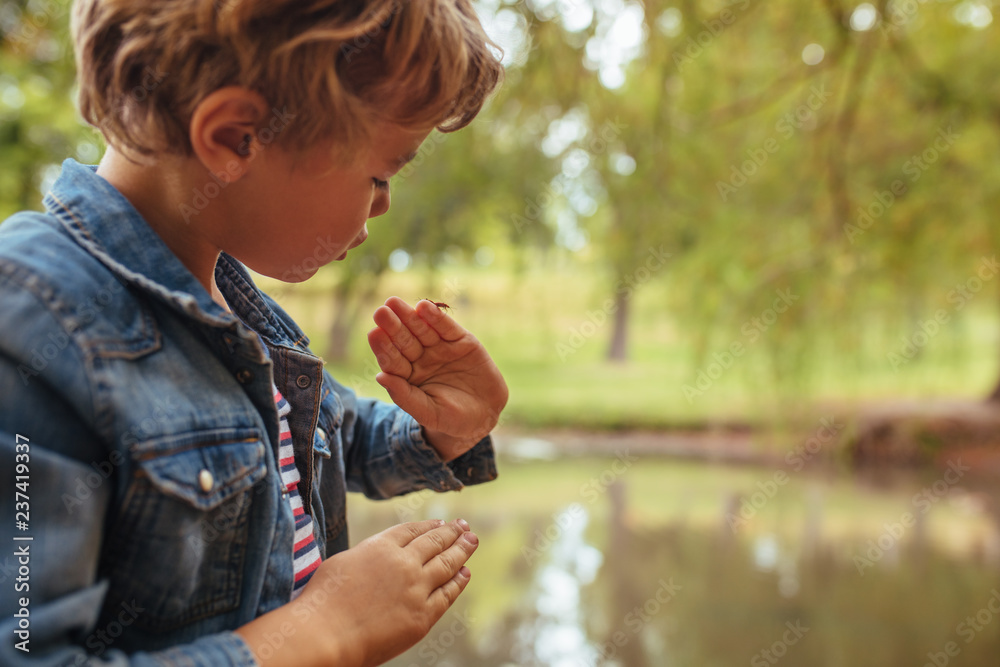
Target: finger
<point x="443" y="597"/>
<point x="411" y="399"/>
<point x="438" y="540"/>
<point x="443" y="567"/>
<point x="438" y="320"/>
<point x="404" y="533"/>
<point x="408" y="316"/>
<point x="400" y="335"/>
<point x="388" y="356"/>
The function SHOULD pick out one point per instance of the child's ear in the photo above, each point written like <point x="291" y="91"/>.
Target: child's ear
<point x="223" y="130"/>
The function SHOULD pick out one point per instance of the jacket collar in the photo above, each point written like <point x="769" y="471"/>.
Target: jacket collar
<point x="106" y="224"/>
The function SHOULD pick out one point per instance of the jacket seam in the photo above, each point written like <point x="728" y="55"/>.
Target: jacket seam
<point x="77" y="223"/>
<point x="15" y="275"/>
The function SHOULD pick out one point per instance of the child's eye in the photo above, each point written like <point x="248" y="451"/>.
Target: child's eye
<point x="380" y="184"/>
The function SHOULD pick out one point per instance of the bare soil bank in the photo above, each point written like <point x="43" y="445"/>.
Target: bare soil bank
<point x="889" y="434"/>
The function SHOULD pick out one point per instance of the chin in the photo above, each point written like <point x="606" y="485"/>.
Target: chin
<point x="295" y="273"/>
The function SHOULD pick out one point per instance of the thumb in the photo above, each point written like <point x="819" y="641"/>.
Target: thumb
<point x="408" y="397"/>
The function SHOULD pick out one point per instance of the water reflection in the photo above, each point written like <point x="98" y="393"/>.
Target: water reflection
<point x="557" y="635"/>
<point x="650" y="572"/>
<point x="769" y="557"/>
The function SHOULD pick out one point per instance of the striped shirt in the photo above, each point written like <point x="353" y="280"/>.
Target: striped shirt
<point x="305" y="552"/>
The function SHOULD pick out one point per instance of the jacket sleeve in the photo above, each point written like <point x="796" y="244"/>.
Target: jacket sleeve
<point x="50" y="593"/>
<point x="385" y="453"/>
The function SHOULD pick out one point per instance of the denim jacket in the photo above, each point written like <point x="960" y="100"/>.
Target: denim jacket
<point x="138" y="423"/>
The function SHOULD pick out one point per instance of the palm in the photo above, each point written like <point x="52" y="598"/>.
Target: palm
<point x="437" y="371"/>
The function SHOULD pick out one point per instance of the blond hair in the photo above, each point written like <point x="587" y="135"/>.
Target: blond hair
<point x="337" y="66"/>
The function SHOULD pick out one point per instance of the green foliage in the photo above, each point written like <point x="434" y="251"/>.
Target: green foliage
<point x="863" y="184"/>
<point x="543" y="329"/>
<point x="754" y="167"/>
<point x="38" y="123"/>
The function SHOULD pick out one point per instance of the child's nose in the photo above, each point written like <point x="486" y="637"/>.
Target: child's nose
<point x="380" y="204"/>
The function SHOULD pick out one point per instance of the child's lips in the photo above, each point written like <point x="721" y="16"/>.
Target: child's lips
<point x="358" y="240"/>
<point x="353" y="246"/>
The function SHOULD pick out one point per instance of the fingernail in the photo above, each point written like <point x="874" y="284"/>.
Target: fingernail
<point x="464" y="524"/>
<point x="472" y="538"/>
<point x="465" y="572"/>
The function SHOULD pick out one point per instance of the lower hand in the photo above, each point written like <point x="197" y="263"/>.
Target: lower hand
<point x="378" y="599"/>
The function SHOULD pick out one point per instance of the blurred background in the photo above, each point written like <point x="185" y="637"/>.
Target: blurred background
<point x="737" y="263"/>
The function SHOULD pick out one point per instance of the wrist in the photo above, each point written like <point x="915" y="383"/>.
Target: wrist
<point x="286" y="636"/>
<point x="447" y="447"/>
<point x="328" y="646"/>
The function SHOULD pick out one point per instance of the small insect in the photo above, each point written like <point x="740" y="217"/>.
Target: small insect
<point x="439" y="304"/>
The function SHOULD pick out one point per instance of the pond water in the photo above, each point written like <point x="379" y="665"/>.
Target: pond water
<point x="641" y="561"/>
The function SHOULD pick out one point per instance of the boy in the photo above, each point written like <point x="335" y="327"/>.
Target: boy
<point x="180" y="457"/>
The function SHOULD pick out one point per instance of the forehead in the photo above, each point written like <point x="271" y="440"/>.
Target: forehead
<point x="395" y="144"/>
<point x="388" y="148"/>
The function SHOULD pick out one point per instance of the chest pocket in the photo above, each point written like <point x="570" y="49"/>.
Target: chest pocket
<point x="181" y="536"/>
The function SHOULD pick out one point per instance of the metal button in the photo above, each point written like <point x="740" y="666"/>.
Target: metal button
<point x="303" y="381"/>
<point x="321" y="433"/>
<point x="244" y="376"/>
<point x="205" y="480"/>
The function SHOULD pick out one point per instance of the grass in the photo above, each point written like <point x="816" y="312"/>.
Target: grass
<point x="545" y="332"/>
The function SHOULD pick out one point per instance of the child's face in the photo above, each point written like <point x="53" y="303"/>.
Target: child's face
<point x="297" y="212"/>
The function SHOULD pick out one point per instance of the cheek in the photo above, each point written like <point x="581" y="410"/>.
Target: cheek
<point x="318" y="223"/>
<point x="360" y="212"/>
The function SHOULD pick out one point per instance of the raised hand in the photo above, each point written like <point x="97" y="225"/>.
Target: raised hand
<point x="437" y="372"/>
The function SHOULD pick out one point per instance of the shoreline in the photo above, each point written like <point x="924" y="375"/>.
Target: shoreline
<point x="896" y="434"/>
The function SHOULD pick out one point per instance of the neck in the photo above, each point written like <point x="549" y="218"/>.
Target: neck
<point x="157" y="192"/>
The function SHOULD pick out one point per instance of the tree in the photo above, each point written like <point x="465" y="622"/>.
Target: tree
<point x="38" y="124"/>
<point x="766" y="140"/>
<point x="842" y="154"/>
